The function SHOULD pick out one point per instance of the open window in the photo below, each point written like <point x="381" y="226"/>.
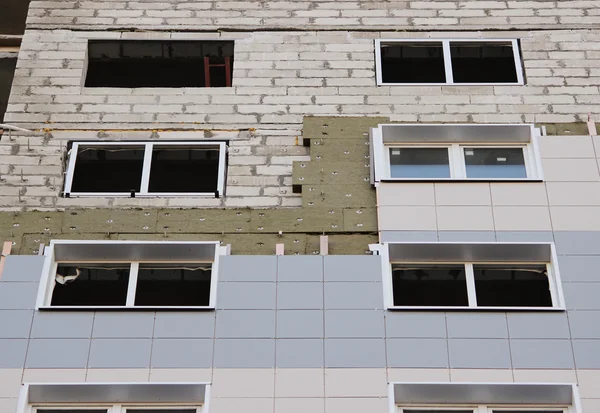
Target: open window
<point x="459" y="276"/>
<point x="113" y="398"/>
<point x="159" y="63"/>
<point x="484" y="398"/>
<point x="457" y="152"/>
<point x="130" y="275"/>
<point x="448" y="62"/>
<point x="146" y="169"/>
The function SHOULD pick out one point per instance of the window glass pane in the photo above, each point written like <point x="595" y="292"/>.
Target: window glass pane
<point x="495" y="163"/>
<point x="173" y="285"/>
<point x="512" y="285"/>
<point x="419" y="163"/>
<point x="479" y="62"/>
<point x="108" y="169"/>
<point x="435" y="411"/>
<point x="184" y="169"/>
<point x="166" y="410"/>
<point x="91" y="284"/>
<point x="429" y="285"/>
<point x="91" y="410"/>
<point x="419" y="62"/>
<point x="528" y="411"/>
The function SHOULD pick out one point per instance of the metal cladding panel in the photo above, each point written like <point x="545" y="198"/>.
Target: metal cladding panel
<point x="456" y="133"/>
<point x="134" y="251"/>
<point x="468" y="252"/>
<point x="471" y="393"/>
<point x="113" y="393"/>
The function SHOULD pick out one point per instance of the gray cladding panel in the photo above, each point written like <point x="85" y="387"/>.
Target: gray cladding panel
<point x="245" y="324"/>
<point x="246" y="295"/>
<point x="24" y="268"/>
<point x="367" y="352"/>
<point x="479" y="353"/>
<point x="299" y="268"/>
<point x="541" y="354"/>
<point x="299" y="353"/>
<point x="247" y="268"/>
<point x="538" y="325"/>
<point x="477" y="325"/>
<point x="62" y="325"/>
<point x="300" y="295"/>
<point x="354" y="324"/>
<point x="582" y="296"/>
<point x="120" y="353"/>
<point x="586" y="354"/>
<point x="184" y="324"/>
<point x="352" y="268"/>
<point x="579" y="268"/>
<point x="417" y="353"/>
<point x="13" y="352"/>
<point x="123" y="325"/>
<point x="182" y="353"/>
<point x="58" y="353"/>
<point x="15" y="323"/>
<point x="300" y="324"/>
<point x="18" y="295"/>
<point x="353" y="295"/>
<point x="244" y="353"/>
<point x="410" y="324"/>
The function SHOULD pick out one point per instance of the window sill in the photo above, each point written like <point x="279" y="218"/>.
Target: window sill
<point x="461" y="308"/>
<point x="427" y="180"/>
<point x="125" y="308"/>
<point x="451" y="84"/>
<point x="138" y="195"/>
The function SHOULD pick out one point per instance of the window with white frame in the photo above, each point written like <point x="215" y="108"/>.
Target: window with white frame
<point x="471" y="276"/>
<point x="455" y="152"/>
<point x="448" y="62"/>
<point x="146" y="169"/>
<point x="116" y="408"/>
<point x="482" y="409"/>
<point x="129" y="274"/>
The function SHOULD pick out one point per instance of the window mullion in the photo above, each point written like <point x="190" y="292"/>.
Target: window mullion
<point x="518" y="64"/>
<point x="71" y="168"/>
<point x="146" y="168"/>
<point x="132" y="285"/>
<point x="447" y="62"/>
<point x="471" y="293"/>
<point x="458" y="162"/>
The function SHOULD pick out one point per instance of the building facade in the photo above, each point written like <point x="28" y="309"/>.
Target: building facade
<point x="307" y="206"/>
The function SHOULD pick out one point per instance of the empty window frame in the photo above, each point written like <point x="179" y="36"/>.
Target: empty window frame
<point x="146" y="169"/>
<point x="116" y="282"/>
<point x="463" y="152"/>
<point x="448" y="62"/>
<point x="430" y="283"/>
<point x="159" y="63"/>
<point x="116" y="408"/>
<point x="483" y="409"/>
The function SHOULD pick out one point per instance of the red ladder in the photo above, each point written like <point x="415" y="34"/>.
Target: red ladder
<point x="208" y="65"/>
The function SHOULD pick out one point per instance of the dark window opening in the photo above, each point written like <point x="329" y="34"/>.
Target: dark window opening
<point x="72" y="411"/>
<point x="479" y="62"/>
<point x="436" y="411"/>
<point x="108" y="169"/>
<point x="173" y="285"/>
<point x="420" y="62"/>
<point x="429" y="285"/>
<point x="184" y="169"/>
<point x="7" y="71"/>
<point x="512" y="285"/>
<point x="91" y="285"/>
<point x="162" y="410"/>
<point x="158" y="63"/>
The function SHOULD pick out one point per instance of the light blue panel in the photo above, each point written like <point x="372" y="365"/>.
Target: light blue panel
<point x="584" y="268"/>
<point x="15" y="323"/>
<point x="247" y="268"/>
<point x="299" y="324"/>
<point x="479" y="353"/>
<point x="57" y="354"/>
<point x="23" y="268"/>
<point x="184" y="324"/>
<point x="299" y="268"/>
<point x="123" y="325"/>
<point x="354" y="324"/>
<point x="538" y="325"/>
<point x="352" y="268"/>
<point x="587" y="354"/>
<point x="582" y="296"/>
<point x="577" y="242"/>
<point x="524" y="236"/>
<point x="353" y="295"/>
<point x="467" y="236"/>
<point x="177" y="353"/>
<point x="246" y="296"/>
<point x="359" y="352"/>
<point x="125" y="353"/>
<point x="408" y="236"/>
<point x="299" y="353"/>
<point x="18" y="295"/>
<point x="62" y="325"/>
<point x="585" y="324"/>
<point x="409" y="324"/>
<point x="477" y="325"/>
<point x="300" y="295"/>
<point x="12" y="352"/>
<point x="417" y="353"/>
<point x="245" y="324"/>
<point x="248" y="353"/>
<point x="542" y="354"/>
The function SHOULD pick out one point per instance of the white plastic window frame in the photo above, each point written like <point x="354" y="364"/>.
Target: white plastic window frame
<point x="112" y="408"/>
<point x="492" y="408"/>
<point x="456" y="158"/>
<point x="554" y="280"/>
<point x="145" y="177"/>
<point x="48" y="281"/>
<point x="448" y="61"/>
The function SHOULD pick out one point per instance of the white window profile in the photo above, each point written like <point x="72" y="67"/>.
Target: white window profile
<point x="460" y="62"/>
<point x="482" y="409"/>
<point x="115" y="408"/>
<point x="146" y="169"/>
<point x="458" y="152"/>
<point x="130" y="275"/>
<point x="470" y="276"/>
